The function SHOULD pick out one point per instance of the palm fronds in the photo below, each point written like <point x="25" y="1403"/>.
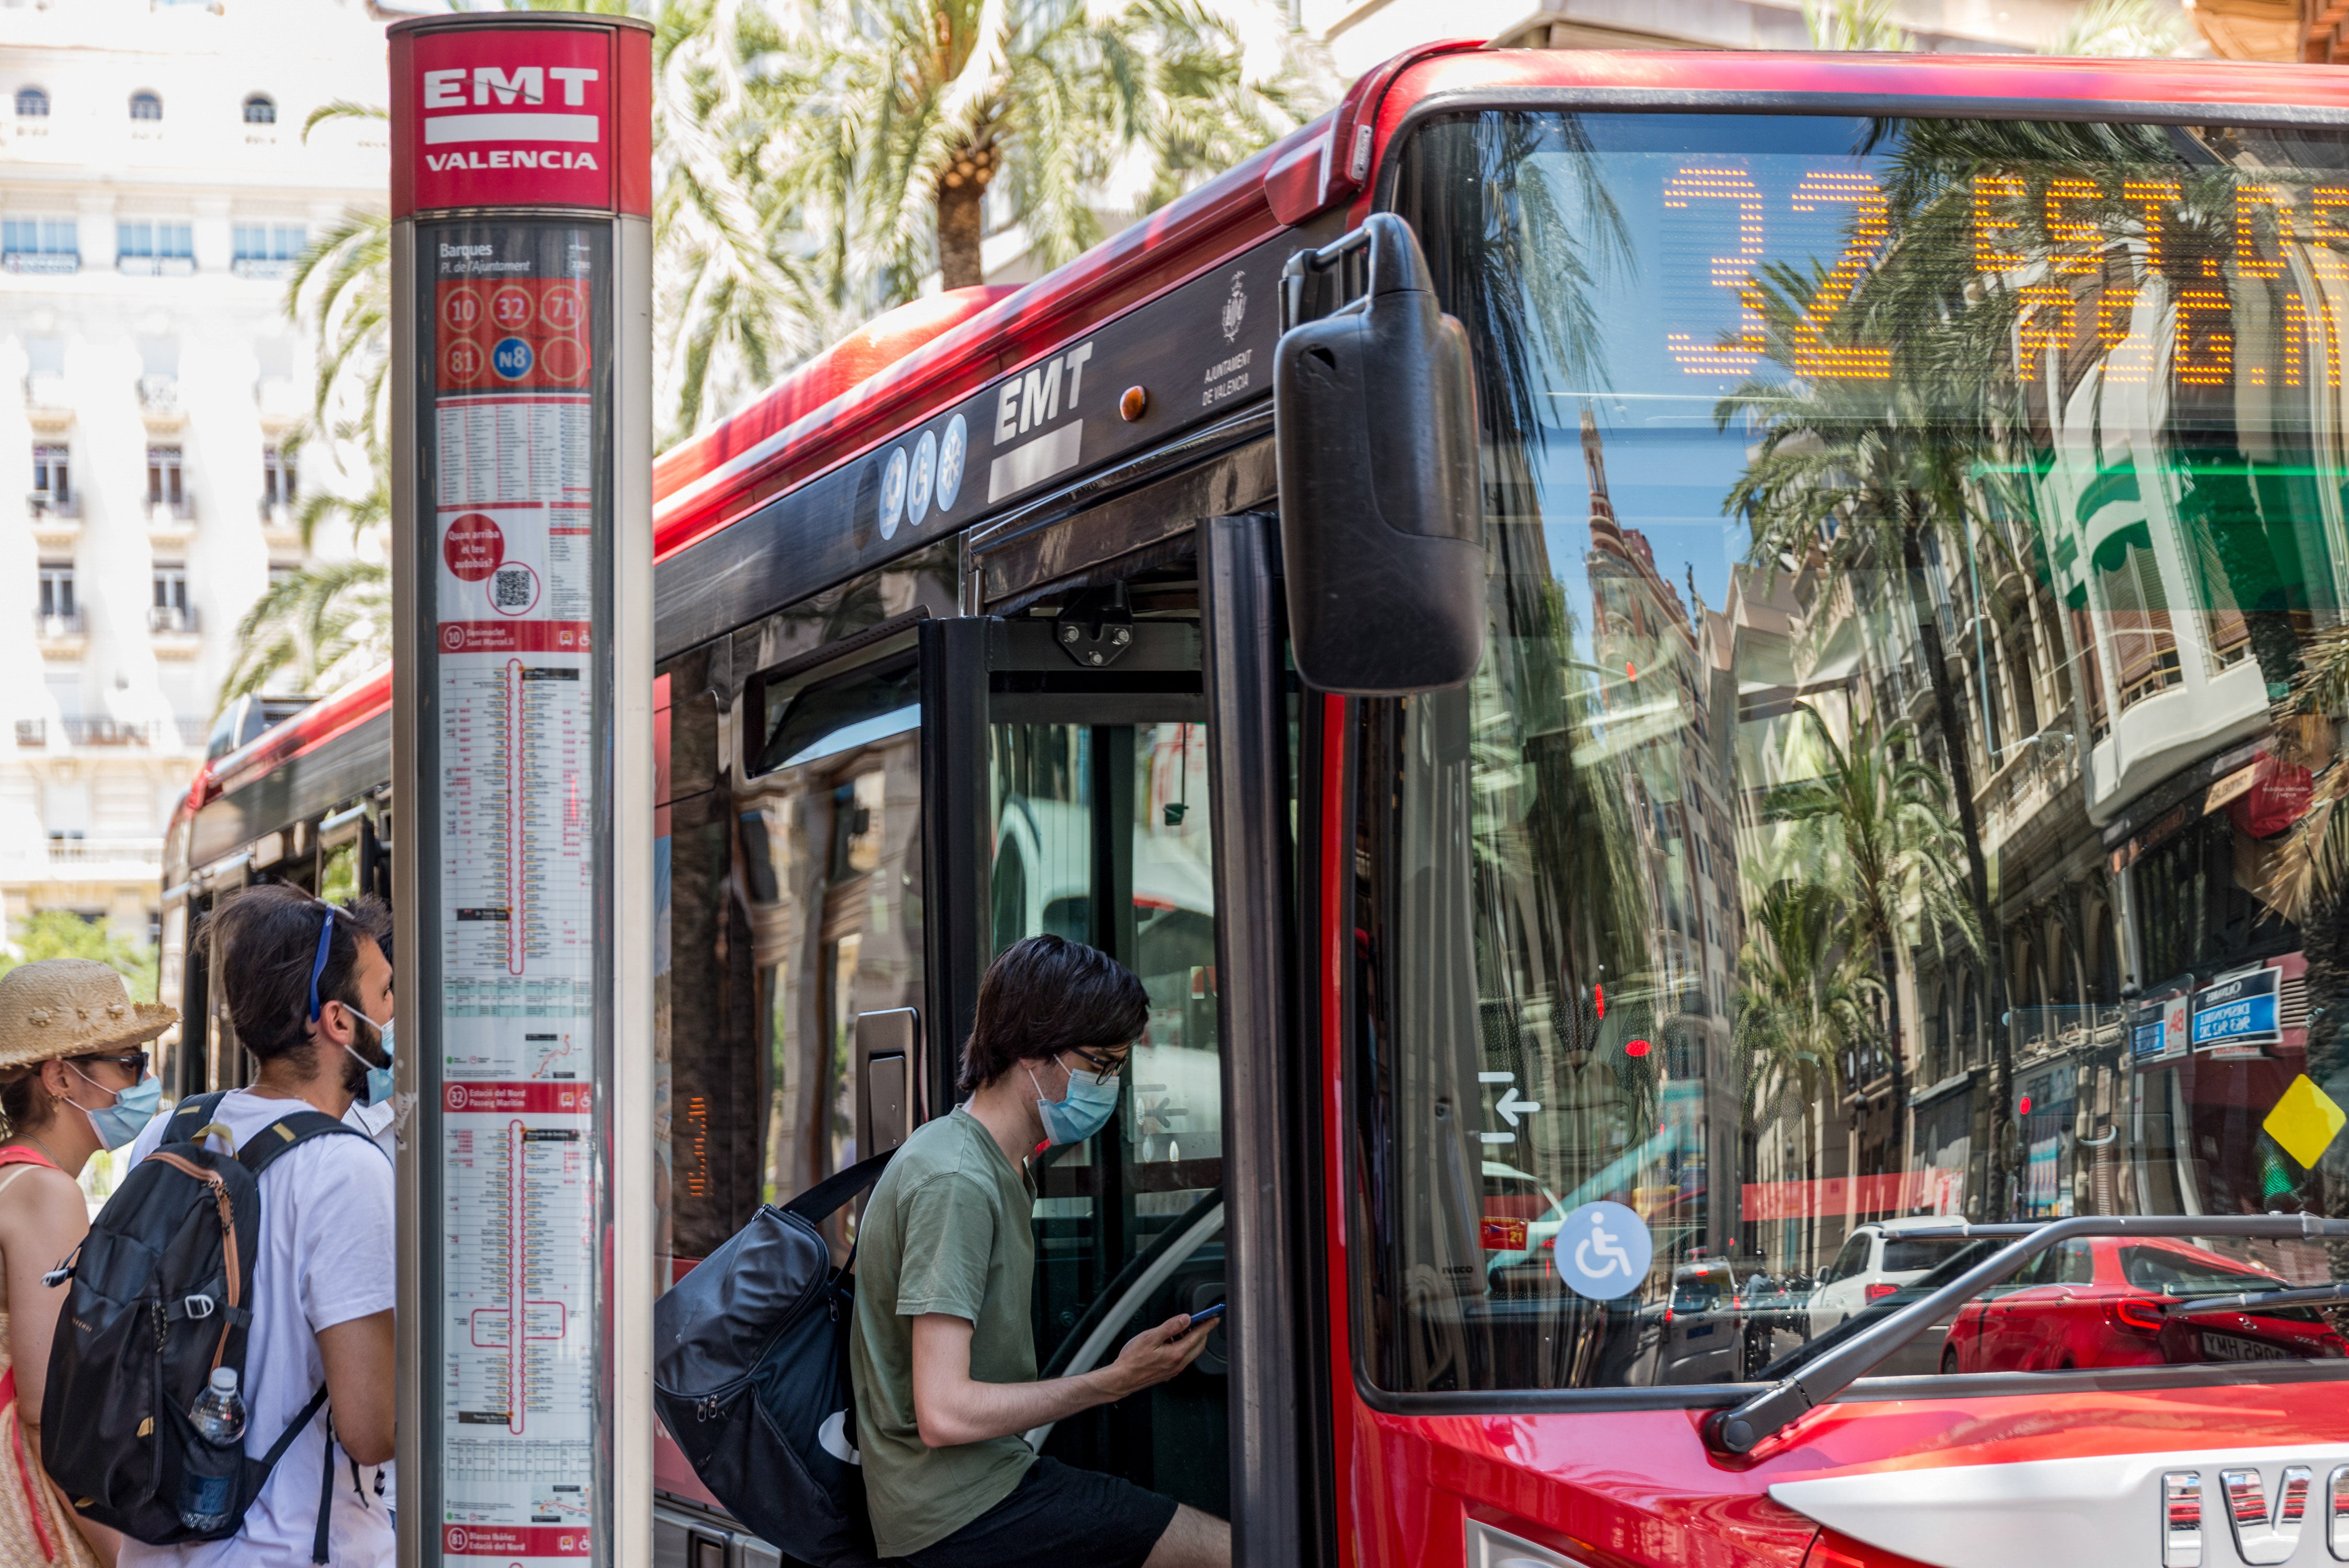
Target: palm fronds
<point x="314" y="623"/>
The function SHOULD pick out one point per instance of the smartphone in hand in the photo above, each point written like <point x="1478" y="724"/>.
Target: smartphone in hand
<point x="1206" y="1315"/>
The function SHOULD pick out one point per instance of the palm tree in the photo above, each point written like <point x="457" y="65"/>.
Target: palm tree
<point x="1806" y="1001"/>
<point x="325" y="618"/>
<point x="1860" y="474"/>
<point x="328" y="619"/>
<point x="893" y="119"/>
<point x="1879" y="809"/>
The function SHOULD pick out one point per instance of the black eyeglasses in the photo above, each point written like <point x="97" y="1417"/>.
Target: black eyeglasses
<point x="1099" y="1062"/>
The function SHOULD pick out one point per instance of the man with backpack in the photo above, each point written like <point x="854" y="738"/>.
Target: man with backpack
<point x="943" y="1357"/>
<point x="309" y="993"/>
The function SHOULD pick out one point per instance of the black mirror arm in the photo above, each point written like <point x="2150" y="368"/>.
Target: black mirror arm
<point x="1396" y="265"/>
<point x="1735" y="1432"/>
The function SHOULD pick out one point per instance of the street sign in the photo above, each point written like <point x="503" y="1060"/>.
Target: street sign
<point x="522" y="760"/>
<point x="2238" y="1012"/>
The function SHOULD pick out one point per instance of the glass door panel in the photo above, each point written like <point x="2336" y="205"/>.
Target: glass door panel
<point x="1101" y="834"/>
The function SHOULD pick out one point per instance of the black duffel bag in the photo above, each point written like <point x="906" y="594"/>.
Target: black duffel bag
<point x="750" y="1377"/>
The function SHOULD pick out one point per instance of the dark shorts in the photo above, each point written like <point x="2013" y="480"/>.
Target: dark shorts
<point x="1058" y="1516"/>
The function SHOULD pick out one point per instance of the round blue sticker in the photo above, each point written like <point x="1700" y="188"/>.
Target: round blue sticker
<point x="511" y="358"/>
<point x="1603" y="1250"/>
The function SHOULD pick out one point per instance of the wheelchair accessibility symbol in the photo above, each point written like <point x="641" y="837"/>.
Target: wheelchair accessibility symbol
<point x="1603" y="1250"/>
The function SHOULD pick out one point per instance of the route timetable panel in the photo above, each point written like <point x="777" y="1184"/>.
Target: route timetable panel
<point x="516" y="396"/>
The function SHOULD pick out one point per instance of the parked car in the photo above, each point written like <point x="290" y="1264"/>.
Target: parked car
<point x="1877" y="1259"/>
<point x="2112" y="1301"/>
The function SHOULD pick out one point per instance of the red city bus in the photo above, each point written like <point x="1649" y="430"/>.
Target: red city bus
<point x="1826" y="1049"/>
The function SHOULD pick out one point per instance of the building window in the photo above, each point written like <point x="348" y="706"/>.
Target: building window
<point x="58" y="592"/>
<point x="156" y="249"/>
<point x="278" y="476"/>
<point x="170" y="612"/>
<point x="260" y="109"/>
<point x="267" y="250"/>
<point x="146" y="105"/>
<point x="166" y="482"/>
<point x="40" y="245"/>
<point x="53" y="478"/>
<point x="32" y="103"/>
<point x="2144" y="647"/>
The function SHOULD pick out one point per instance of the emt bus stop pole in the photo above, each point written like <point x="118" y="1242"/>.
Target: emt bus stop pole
<point x="523" y="787"/>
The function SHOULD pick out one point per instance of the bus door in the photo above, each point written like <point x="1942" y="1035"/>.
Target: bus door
<point x="1065" y="756"/>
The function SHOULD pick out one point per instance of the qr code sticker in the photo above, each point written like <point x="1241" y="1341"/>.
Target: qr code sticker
<point x="513" y="587"/>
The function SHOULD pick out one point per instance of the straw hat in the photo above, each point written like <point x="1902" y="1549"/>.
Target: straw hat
<point x="71" y="1007"/>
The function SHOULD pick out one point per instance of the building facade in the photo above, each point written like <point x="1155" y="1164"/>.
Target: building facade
<point x="155" y="191"/>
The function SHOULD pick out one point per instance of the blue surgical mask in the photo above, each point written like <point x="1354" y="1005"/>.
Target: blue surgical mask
<point x="1083" y="1111"/>
<point x="379" y="1078"/>
<point x="117" y="1124"/>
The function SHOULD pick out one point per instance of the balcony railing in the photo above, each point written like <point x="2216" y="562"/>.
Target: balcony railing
<point x="72" y="851"/>
<point x="41" y="503"/>
<point x="41" y="260"/>
<point x="47" y="389"/>
<point x="157" y="266"/>
<point x="260" y="267"/>
<point x="112" y="732"/>
<point x="184" y="730"/>
<point x="164" y="513"/>
<point x="65" y="625"/>
<point x="159" y="394"/>
<point x="166" y="618"/>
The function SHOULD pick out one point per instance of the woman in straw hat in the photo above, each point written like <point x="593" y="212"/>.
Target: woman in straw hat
<point x="73" y="1080"/>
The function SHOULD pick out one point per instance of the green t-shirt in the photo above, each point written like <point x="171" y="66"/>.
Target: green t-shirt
<point x="946" y="1230"/>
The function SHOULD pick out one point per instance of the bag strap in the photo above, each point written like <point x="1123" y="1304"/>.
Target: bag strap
<point x="325" y="1493"/>
<point x="289" y="1132"/>
<point x="815" y="1205"/>
<point x="293" y="1429"/>
<point x="190" y="1117"/>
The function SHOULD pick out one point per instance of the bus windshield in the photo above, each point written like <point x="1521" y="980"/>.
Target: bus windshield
<point x="1899" y="786"/>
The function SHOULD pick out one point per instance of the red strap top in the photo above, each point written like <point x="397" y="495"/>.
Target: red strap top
<point x="17" y="1154"/>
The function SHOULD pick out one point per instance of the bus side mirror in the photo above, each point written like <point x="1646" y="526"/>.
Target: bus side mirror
<point x="1381" y="529"/>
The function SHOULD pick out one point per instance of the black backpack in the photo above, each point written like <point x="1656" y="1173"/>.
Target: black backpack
<point x="750" y="1377"/>
<point x="160" y="1292"/>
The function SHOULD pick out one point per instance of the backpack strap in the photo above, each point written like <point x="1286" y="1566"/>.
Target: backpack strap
<point x="190" y="1117"/>
<point x="816" y="1204"/>
<point x="290" y="1132"/>
<point x="325" y="1493"/>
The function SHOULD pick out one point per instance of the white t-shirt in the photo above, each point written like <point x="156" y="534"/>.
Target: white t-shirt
<point x="326" y="1257"/>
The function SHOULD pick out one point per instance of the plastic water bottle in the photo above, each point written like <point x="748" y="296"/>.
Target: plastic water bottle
<point x="208" y="1486"/>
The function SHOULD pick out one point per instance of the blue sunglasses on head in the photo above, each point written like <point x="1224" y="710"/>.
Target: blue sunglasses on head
<point x="318" y="965"/>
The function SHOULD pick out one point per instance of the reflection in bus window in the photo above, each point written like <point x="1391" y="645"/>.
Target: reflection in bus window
<point x="1900" y="783"/>
<point x="791" y="838"/>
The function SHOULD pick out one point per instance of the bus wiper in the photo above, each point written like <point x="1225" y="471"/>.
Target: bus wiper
<point x="1739" y="1431"/>
<point x="2259" y="1300"/>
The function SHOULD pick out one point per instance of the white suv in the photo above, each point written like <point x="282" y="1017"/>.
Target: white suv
<point x="1877" y="1258"/>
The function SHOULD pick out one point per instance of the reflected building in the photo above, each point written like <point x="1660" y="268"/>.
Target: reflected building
<point x="1655" y="686"/>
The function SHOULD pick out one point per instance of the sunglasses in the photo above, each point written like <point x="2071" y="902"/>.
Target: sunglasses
<point x="133" y="1062"/>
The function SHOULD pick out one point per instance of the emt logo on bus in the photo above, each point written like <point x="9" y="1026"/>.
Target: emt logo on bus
<point x="508" y="116"/>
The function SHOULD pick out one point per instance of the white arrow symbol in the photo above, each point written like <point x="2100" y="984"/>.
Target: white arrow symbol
<point x="1510" y="1106"/>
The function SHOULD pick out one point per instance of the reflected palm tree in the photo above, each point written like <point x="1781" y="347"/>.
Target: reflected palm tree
<point x="1806" y="1000"/>
<point x="1942" y="454"/>
<point x="1892" y="855"/>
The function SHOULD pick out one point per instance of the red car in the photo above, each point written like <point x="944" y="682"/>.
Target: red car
<point x="2111" y="1301"/>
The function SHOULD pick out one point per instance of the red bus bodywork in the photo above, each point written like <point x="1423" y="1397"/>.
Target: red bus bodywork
<point x="1609" y="1488"/>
